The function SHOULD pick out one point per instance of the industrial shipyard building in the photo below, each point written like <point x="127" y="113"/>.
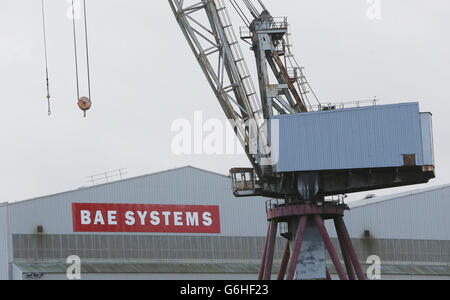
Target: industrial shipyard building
<point x="186" y="224"/>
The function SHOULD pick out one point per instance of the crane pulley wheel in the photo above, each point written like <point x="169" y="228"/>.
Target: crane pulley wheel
<point x="84" y="103"/>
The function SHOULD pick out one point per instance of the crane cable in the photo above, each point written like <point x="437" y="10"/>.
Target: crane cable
<point x="76" y="53"/>
<point x="262" y="5"/>
<point x="87" y="50"/>
<point x="75" y="49"/>
<point x="239" y="11"/>
<point x="253" y="11"/>
<point x="254" y="8"/>
<point x="46" y="57"/>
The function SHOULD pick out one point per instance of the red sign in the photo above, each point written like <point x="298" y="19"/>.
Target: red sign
<point x="97" y="217"/>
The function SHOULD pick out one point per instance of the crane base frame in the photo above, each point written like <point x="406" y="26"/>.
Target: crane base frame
<point x="303" y="212"/>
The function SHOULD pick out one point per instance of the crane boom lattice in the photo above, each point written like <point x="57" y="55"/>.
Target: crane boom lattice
<point x="208" y="29"/>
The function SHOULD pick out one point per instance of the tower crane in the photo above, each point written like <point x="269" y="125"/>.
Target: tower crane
<point x="301" y="152"/>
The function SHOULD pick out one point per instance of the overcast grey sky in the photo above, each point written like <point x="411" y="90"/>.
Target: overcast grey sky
<point x="144" y="77"/>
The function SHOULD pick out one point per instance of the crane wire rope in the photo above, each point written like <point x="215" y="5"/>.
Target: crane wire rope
<point x="262" y="5"/>
<point x="240" y="12"/>
<point x="77" y="75"/>
<point x="87" y="50"/>
<point x="252" y="10"/>
<point x="75" y="49"/>
<point x="47" y="81"/>
<point x="293" y="62"/>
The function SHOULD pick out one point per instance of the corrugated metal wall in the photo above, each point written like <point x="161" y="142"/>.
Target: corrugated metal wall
<point x="138" y="248"/>
<point x="417" y="216"/>
<point x="368" y="137"/>
<point x="186" y="186"/>
<point x="426" y="124"/>
<point x="4" y="253"/>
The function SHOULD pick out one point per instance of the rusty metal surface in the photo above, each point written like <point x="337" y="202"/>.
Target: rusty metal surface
<point x="327" y="211"/>
<point x="84" y="103"/>
<point x="409" y="160"/>
<point x="291" y="86"/>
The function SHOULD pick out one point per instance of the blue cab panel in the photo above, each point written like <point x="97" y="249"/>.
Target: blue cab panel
<point x="384" y="136"/>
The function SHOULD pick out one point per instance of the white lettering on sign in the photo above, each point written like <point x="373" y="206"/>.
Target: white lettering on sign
<point x="142" y="216"/>
<point x="166" y="215"/>
<point x="129" y="218"/>
<point x="155" y="220"/>
<point x="191" y="219"/>
<point x="179" y="218"/>
<point x="112" y="219"/>
<point x="95" y="217"/>
<point x="99" y="218"/>
<point x="85" y="217"/>
<point x="207" y="221"/>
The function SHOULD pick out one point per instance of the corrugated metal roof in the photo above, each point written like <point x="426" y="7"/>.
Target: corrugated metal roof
<point x="4" y="242"/>
<point x="366" y="202"/>
<point x="416" y="215"/>
<point x="87" y="188"/>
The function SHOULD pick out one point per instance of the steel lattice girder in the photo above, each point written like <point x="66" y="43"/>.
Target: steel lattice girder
<point x="208" y="30"/>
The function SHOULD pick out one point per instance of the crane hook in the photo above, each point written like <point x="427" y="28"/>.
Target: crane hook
<point x="49" y="108"/>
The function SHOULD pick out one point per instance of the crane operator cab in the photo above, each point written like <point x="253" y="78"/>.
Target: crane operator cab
<point x="244" y="181"/>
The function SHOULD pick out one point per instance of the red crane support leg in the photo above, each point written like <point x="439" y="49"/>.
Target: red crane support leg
<point x="333" y="254"/>
<point x="343" y="230"/>
<point x="284" y="262"/>
<point x="273" y="228"/>
<point x="345" y="253"/>
<point x="297" y="247"/>
<point x="263" y="260"/>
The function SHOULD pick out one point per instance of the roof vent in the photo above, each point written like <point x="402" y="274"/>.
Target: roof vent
<point x="370" y="196"/>
<point x="40" y="229"/>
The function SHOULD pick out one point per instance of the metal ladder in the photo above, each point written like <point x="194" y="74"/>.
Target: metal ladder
<point x="300" y="78"/>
